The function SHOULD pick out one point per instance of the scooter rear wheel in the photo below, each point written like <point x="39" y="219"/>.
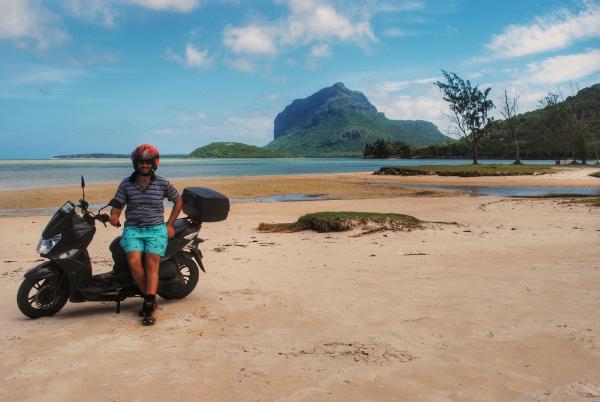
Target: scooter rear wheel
<point x="188" y="273"/>
<point x="41" y="297"/>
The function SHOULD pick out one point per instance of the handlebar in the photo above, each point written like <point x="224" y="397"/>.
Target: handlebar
<point x="105" y="218"/>
<point x="90" y="216"/>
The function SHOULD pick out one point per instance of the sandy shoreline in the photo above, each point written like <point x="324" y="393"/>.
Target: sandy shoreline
<point x="503" y="307"/>
<point x="336" y="186"/>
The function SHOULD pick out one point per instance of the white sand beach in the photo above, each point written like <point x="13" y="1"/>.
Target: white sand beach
<point x="503" y="306"/>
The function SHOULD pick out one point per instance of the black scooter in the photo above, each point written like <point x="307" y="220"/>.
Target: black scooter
<point x="67" y="275"/>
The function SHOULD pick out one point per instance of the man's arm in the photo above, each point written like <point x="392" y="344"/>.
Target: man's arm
<point x="115" y="214"/>
<point x="117" y="204"/>
<point x="174" y="214"/>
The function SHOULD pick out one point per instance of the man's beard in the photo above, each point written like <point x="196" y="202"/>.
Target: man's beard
<point x="141" y="173"/>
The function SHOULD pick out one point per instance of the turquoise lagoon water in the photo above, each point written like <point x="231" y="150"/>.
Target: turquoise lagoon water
<point x="19" y="174"/>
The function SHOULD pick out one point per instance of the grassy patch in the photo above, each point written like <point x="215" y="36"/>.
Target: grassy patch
<point x="342" y="221"/>
<point x="466" y="170"/>
<point x="595" y="174"/>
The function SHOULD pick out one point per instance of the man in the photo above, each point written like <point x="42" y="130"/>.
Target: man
<point x="145" y="231"/>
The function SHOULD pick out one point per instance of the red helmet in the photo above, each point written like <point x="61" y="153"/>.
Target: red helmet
<point x="146" y="152"/>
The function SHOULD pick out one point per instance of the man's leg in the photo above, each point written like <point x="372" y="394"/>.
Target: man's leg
<point x="134" y="259"/>
<point x="155" y="246"/>
<point x="151" y="263"/>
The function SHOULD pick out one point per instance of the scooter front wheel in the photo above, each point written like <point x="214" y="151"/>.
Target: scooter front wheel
<point x="41" y="297"/>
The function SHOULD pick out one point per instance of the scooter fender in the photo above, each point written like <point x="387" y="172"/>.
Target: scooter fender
<point x="197" y="255"/>
<point x="42" y="271"/>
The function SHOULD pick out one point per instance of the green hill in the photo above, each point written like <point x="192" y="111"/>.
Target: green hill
<point x="336" y="121"/>
<point x="235" y="150"/>
<point x="571" y="129"/>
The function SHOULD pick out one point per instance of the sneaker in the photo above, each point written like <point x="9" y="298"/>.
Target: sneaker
<point x="149" y="310"/>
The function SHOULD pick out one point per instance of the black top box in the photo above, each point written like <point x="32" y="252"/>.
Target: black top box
<point x="204" y="204"/>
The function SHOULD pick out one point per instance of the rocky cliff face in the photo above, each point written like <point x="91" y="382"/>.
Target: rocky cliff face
<point x="309" y="112"/>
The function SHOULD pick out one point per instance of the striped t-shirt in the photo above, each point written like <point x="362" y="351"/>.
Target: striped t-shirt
<point x="144" y="207"/>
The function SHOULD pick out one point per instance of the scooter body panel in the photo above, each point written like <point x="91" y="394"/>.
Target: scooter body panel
<point x="42" y="271"/>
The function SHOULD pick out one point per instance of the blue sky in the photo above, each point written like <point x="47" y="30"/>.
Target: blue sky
<point x="103" y="76"/>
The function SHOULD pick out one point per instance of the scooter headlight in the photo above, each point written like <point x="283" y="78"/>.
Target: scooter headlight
<point x="46" y="245"/>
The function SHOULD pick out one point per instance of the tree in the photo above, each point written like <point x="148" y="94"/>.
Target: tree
<point x="379" y="149"/>
<point x="553" y="122"/>
<point x="591" y="129"/>
<point x="469" y="107"/>
<point x="382" y="149"/>
<point x="510" y="108"/>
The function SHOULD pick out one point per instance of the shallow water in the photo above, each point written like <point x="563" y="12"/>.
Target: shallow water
<point x="502" y="191"/>
<point x="19" y="174"/>
<point x="168" y="204"/>
<point x="283" y="198"/>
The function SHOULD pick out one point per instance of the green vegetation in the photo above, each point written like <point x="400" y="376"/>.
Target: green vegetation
<point x="235" y="150"/>
<point x="466" y="170"/>
<point x="343" y="221"/>
<point x="382" y="149"/>
<point x="336" y="121"/>
<point x="470" y="108"/>
<point x="568" y="129"/>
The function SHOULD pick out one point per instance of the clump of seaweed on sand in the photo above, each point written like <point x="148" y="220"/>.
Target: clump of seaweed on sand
<point x="466" y="170"/>
<point x="588" y="201"/>
<point x="347" y="220"/>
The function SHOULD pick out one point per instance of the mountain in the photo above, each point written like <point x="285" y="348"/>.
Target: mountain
<point x="235" y="150"/>
<point x="337" y="121"/>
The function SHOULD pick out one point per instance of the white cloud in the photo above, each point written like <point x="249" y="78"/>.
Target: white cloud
<point x="250" y="39"/>
<point x="395" y="32"/>
<point x="420" y="104"/>
<point x="28" y="23"/>
<point x="196" y="58"/>
<point x="242" y="65"/>
<point x="193" y="57"/>
<point x="93" y="11"/>
<point x="272" y="97"/>
<point x="391" y="86"/>
<point x="564" y="68"/>
<point x="320" y="51"/>
<point x="249" y="127"/>
<point x="549" y="32"/>
<point x="105" y="12"/>
<point x="308" y="21"/>
<point x="312" y="20"/>
<point x="166" y="5"/>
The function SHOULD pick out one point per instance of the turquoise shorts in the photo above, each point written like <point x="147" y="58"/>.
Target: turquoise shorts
<point x="148" y="239"/>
